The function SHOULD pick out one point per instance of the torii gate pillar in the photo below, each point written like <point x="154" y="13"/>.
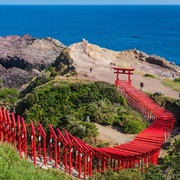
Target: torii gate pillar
<point x="119" y="71"/>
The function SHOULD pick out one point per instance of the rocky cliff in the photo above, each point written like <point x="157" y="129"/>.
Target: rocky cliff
<point x="24" y="57"/>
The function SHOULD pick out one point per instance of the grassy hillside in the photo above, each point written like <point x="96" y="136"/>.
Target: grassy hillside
<point x="13" y="168"/>
<point x="175" y="84"/>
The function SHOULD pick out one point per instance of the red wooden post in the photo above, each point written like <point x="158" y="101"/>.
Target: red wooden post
<point x="8" y="127"/>
<point x="53" y="137"/>
<point x="80" y="165"/>
<point x="70" y="160"/>
<point x="85" y="163"/>
<point x="19" y="137"/>
<point x="70" y="151"/>
<point x="62" y="139"/>
<point x="42" y="134"/>
<point x="13" y="128"/>
<point x="90" y="165"/>
<point x="24" y="137"/>
<point x="1" y="122"/>
<point x="4" y="125"/>
<point x="76" y="159"/>
<point x="65" y="157"/>
<point x="50" y="145"/>
<point x="33" y="142"/>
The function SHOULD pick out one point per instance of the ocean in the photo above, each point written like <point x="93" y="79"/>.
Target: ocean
<point x="151" y="29"/>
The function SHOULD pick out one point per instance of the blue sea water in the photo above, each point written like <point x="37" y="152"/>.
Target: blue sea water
<point x="152" y="29"/>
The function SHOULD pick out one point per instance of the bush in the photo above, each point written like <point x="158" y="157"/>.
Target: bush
<point x="132" y="127"/>
<point x="149" y="75"/>
<point x="9" y="96"/>
<point x="67" y="105"/>
<point x="170" y="164"/>
<point x="103" y="111"/>
<point x="177" y="80"/>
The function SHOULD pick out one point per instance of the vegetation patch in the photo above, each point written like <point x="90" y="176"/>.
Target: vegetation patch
<point x="173" y="105"/>
<point x="8" y="97"/>
<point x="175" y="84"/>
<point x="73" y="106"/>
<point x="14" y="168"/>
<point x="150" y="75"/>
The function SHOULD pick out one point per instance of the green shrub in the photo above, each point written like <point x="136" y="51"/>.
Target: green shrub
<point x="170" y="164"/>
<point x="149" y="75"/>
<point x="9" y="96"/>
<point x="66" y="106"/>
<point x="177" y="80"/>
<point x="132" y="126"/>
<point x="103" y="111"/>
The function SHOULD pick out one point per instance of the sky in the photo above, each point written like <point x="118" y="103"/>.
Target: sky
<point x="85" y="2"/>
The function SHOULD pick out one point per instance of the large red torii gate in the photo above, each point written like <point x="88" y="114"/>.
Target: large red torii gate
<point x="119" y="71"/>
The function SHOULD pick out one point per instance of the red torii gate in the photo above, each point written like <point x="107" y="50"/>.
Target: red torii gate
<point x="119" y="71"/>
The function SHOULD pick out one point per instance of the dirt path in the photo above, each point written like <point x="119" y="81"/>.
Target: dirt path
<point x="113" y="135"/>
<point x="106" y="73"/>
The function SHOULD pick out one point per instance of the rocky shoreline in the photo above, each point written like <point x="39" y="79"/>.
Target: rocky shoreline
<point x="25" y="57"/>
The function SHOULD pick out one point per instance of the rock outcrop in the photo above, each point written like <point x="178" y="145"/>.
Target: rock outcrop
<point x="64" y="64"/>
<point x="23" y="57"/>
<point x="86" y="55"/>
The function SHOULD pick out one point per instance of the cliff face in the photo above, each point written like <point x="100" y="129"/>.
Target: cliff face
<point x="23" y="57"/>
<point x="86" y="55"/>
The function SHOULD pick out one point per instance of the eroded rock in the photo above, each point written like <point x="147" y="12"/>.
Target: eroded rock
<point x="24" y="57"/>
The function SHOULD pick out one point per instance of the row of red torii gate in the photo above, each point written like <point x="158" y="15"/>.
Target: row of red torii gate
<point x="70" y="154"/>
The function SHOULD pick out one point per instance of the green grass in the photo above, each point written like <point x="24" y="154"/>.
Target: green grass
<point x="150" y="75"/>
<point x="13" y="168"/>
<point x="172" y="84"/>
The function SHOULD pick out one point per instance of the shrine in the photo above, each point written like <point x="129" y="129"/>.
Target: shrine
<point x="119" y="71"/>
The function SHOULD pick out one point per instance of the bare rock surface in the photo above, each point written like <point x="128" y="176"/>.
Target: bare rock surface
<point x="22" y="56"/>
<point x="84" y="54"/>
<point x="102" y="61"/>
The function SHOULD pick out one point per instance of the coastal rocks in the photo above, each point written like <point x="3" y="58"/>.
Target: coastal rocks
<point x="171" y="69"/>
<point x="24" y="57"/>
<point x="157" y="60"/>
